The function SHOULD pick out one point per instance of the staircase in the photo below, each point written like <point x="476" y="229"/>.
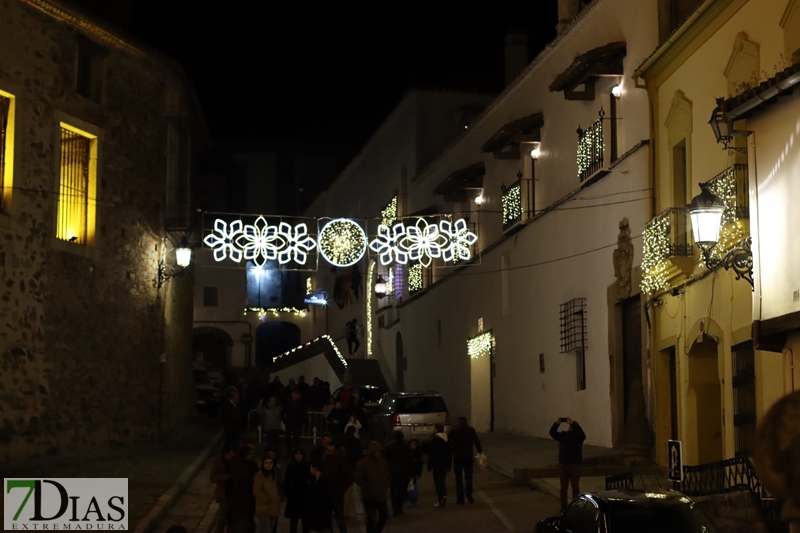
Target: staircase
<point x="365" y="372"/>
<point x="323" y="345"/>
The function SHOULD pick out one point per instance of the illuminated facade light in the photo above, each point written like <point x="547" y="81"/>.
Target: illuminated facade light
<point x="342" y="242"/>
<point x="183" y="253"/>
<point x="481" y="345"/>
<point x="479" y="199"/>
<point x="616" y="92"/>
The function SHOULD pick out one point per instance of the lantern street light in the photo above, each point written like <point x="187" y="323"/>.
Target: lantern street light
<point x="183" y="258"/>
<point x="706" y="212"/>
<point x="380" y="287"/>
<point x="724" y="130"/>
<point x="183" y="253"/>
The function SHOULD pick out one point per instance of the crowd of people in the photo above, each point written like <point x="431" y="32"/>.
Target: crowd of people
<point x="313" y="490"/>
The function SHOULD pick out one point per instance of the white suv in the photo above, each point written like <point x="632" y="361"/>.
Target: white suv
<point x="414" y="413"/>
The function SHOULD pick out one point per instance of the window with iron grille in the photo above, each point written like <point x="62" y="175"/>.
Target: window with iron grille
<point x="573" y="325"/>
<point x="744" y="398"/>
<point x="75" y="182"/>
<point x="5" y="111"/>
<point x="178" y="166"/>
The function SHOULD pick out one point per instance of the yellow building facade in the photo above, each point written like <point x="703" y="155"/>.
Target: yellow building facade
<point x="708" y="384"/>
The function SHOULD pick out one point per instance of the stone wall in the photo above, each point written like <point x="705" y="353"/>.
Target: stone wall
<point x="81" y="334"/>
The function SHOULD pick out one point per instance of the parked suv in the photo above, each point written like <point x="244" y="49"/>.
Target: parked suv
<point x="414" y="413"/>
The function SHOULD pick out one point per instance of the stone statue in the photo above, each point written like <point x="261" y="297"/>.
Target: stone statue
<point x="623" y="260"/>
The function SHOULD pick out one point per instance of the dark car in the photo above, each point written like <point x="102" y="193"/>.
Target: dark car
<point x="617" y="511"/>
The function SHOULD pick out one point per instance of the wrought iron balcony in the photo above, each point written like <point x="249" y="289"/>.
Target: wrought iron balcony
<point x="666" y="237"/>
<point x="591" y="149"/>
<point x="732" y="187"/>
<point x="517" y="201"/>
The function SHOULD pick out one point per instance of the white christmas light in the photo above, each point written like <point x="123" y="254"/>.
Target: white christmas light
<point x="460" y="238"/>
<point x="342" y="242"/>
<point x="298" y="243"/>
<point x="260" y="242"/>
<point x="424" y="242"/>
<point x="389" y="213"/>
<point x="306" y="345"/>
<point x="481" y="345"/>
<point x="386" y="244"/>
<point x="370" y="273"/>
<point x="223" y="240"/>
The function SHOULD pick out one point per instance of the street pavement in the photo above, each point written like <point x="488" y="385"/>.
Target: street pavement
<point x="151" y="468"/>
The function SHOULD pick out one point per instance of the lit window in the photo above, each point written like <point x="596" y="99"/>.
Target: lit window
<point x="6" y="150"/>
<point x="77" y="186"/>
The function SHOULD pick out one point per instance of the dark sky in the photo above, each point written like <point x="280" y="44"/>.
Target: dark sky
<point x="297" y="70"/>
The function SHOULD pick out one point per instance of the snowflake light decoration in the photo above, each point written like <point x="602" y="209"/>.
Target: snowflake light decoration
<point x="423" y="242"/>
<point x="387" y="244"/>
<point x="298" y="243"/>
<point x="223" y="240"/>
<point x="461" y="239"/>
<point x="260" y="242"/>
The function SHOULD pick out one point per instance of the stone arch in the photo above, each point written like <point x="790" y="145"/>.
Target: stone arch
<point x="744" y="65"/>
<point x="274" y="338"/>
<point x="790" y="22"/>
<point x="212" y="344"/>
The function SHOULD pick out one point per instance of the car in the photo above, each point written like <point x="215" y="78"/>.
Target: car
<point x="216" y="377"/>
<point x="629" y="511"/>
<point x="206" y="394"/>
<point x="413" y="413"/>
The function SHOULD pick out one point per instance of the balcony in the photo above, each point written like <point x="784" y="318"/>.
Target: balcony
<point x="517" y="202"/>
<point x="732" y="187"/>
<point x="592" y="158"/>
<point x="667" y="250"/>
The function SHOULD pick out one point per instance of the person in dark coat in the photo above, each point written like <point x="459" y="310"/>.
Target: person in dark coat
<point x="440" y="462"/>
<point x="320" y="507"/>
<point x="398" y="455"/>
<point x="295" y="488"/>
<point x="462" y="439"/>
<point x="232" y="419"/>
<point x="340" y="476"/>
<point x="337" y="419"/>
<point x="294" y="418"/>
<point x="352" y="447"/>
<point x="416" y="465"/>
<point x="221" y="474"/>
<point x="570" y="456"/>
<point x="241" y="498"/>
<point x="317" y="455"/>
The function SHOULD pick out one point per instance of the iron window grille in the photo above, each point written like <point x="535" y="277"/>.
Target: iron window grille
<point x="5" y="108"/>
<point x="73" y="200"/>
<point x="573" y="325"/>
<point x="744" y="398"/>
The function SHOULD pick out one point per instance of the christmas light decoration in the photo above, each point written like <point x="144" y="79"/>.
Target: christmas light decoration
<point x="260" y="242"/>
<point x="370" y="273"/>
<point x="387" y="244"/>
<point x="481" y="345"/>
<point x="276" y="311"/>
<point x="512" y="205"/>
<point x="655" y="252"/>
<point x="590" y="147"/>
<point x="390" y="283"/>
<point x="223" y="240"/>
<point x="424" y="242"/>
<point x="389" y="213"/>
<point x="415" y="278"/>
<point x="342" y="242"/>
<point x="731" y="233"/>
<point x="309" y="288"/>
<point x="461" y="240"/>
<point x="326" y="338"/>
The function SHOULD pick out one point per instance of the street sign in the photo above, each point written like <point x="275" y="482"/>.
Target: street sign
<point x="675" y="460"/>
<point x="246" y="338"/>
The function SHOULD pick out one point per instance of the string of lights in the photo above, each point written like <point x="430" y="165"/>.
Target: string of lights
<point x="309" y="343"/>
<point x="370" y="274"/>
<point x="481" y="345"/>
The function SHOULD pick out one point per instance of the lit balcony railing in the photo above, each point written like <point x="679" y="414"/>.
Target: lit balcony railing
<point x="732" y="187"/>
<point x="512" y="204"/>
<point x="591" y="149"/>
<point x="666" y="237"/>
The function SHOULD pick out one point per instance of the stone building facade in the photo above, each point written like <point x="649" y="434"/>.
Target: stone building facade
<point x="97" y="136"/>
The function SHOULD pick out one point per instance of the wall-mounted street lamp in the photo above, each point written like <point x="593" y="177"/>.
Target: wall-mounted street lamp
<point x="183" y="258"/>
<point x="723" y="129"/>
<point x="616" y="91"/>
<point x="706" y="212"/>
<point x="380" y="287"/>
<point x="535" y="151"/>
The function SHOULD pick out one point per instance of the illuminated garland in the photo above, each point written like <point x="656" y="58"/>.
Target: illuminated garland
<point x="389" y="213"/>
<point x="590" y="144"/>
<point x="259" y="242"/>
<point x="424" y="242"/>
<point x="390" y="283"/>
<point x="309" y="288"/>
<point x="481" y="345"/>
<point x="370" y="273"/>
<point x="655" y="252"/>
<point x="262" y="312"/>
<point x="512" y="204"/>
<point x="730" y="233"/>
<point x="342" y="242"/>
<point x="306" y="345"/>
<point x="415" y="278"/>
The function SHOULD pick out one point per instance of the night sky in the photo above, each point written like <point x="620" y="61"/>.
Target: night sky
<point x="300" y="71"/>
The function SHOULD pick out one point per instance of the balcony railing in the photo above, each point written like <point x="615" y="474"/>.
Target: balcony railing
<point x="732" y="187"/>
<point x="591" y="149"/>
<point x="666" y="236"/>
<point x="512" y="204"/>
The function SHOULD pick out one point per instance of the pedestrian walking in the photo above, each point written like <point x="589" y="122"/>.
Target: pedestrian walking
<point x="354" y="423"/>
<point x="242" y="501"/>
<point x="354" y="452"/>
<point x="268" y="500"/>
<point x="295" y="487"/>
<point x="416" y="470"/>
<point x="221" y="473"/>
<point x="440" y="461"/>
<point x="272" y="453"/>
<point x="320" y="507"/>
<point x="271" y="414"/>
<point x="231" y="416"/>
<point x="317" y="455"/>
<point x="351" y="332"/>
<point x="337" y="419"/>
<point x="398" y="455"/>
<point x="340" y="478"/>
<point x="462" y="439"/>
<point x="294" y="418"/>
<point x="570" y="456"/>
<point x="374" y="478"/>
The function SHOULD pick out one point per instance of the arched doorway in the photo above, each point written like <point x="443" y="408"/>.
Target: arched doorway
<point x="399" y="362"/>
<point x="274" y="338"/>
<point x="704" y="400"/>
<point x="212" y="344"/>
